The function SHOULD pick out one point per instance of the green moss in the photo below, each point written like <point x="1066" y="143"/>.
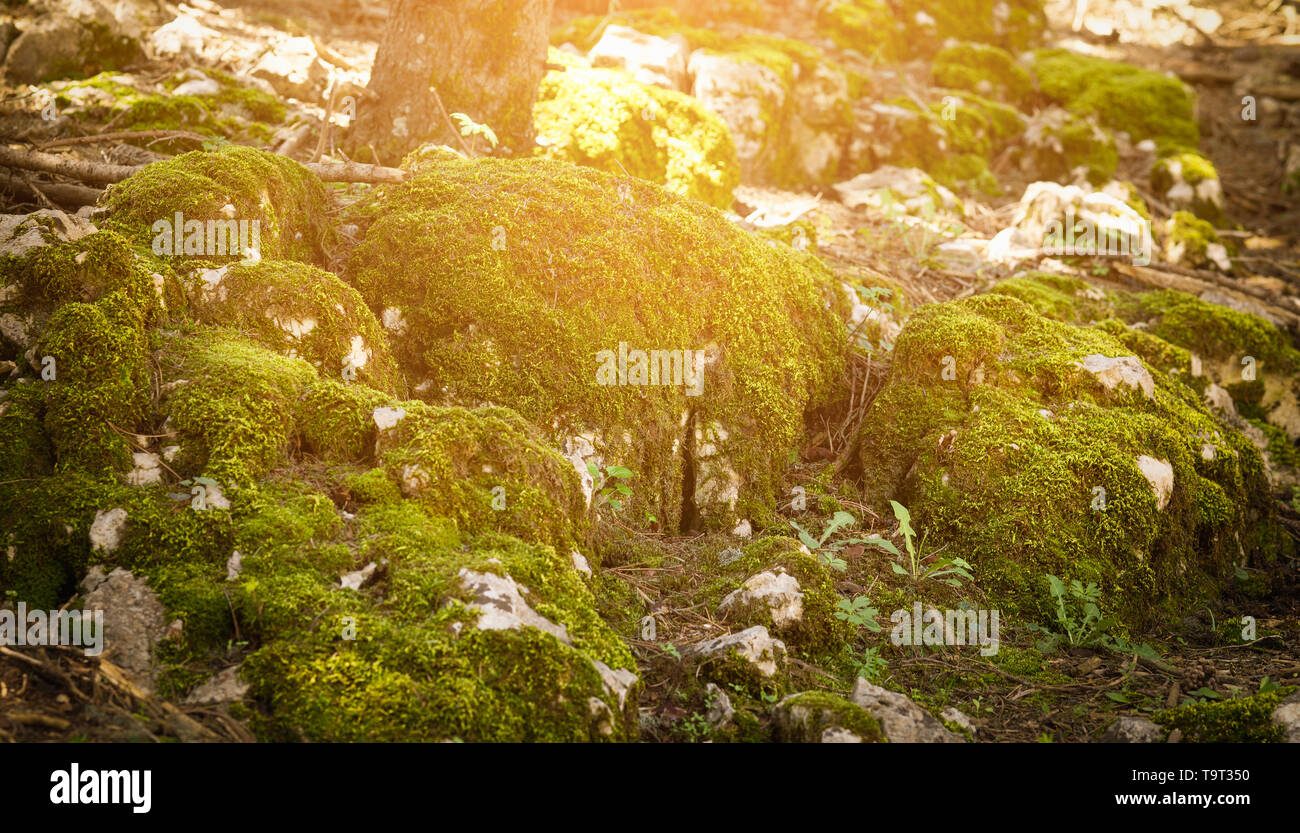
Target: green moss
<point x="290" y="204"/>
<point x="803" y="717"/>
<point x="1244" y="720"/>
<point x="530" y="298"/>
<point x="1063" y="297"/>
<point x="1014" y="490"/>
<point x="1217" y="332"/>
<point x="373" y="486"/>
<point x="983" y="69"/>
<point x="606" y="120"/>
<point x="299" y="310"/>
<point x="865" y="26"/>
<point x="1145" y="104"/>
<point x="101" y="386"/>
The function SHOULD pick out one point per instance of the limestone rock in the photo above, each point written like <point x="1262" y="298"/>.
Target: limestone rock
<point x="134" y="621"/>
<point x="647" y="58"/>
<point x="776" y="593"/>
<point x="1133" y="730"/>
<point x="902" y="720"/>
<point x="1161" y="477"/>
<point x="1112" y="372"/>
<point x="754" y="645"/>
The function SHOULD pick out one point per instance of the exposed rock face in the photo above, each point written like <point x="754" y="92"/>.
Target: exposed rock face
<point x="1121" y="371"/>
<point x="647" y="58"/>
<point x="501" y="607"/>
<point x="1287" y="716"/>
<point x="134" y="622"/>
<point x="1069" y="219"/>
<point x="752" y="645"/>
<point x="748" y="96"/>
<point x="778" y="594"/>
<point x="901" y="720"/>
<point x="72" y="39"/>
<point x="1161" y="477"/>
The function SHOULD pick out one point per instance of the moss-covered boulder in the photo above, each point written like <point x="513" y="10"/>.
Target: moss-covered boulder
<point x="874" y="29"/>
<point x="1190" y="240"/>
<point x="229" y="202"/>
<point x="557" y="299"/>
<point x="606" y="120"/>
<point x="1057" y="143"/>
<point x="822" y="717"/>
<point x="1243" y="720"/>
<point x="1029" y="446"/>
<point x="1145" y="104"/>
<point x="1189" y="181"/>
<point x="297" y="310"/>
<point x="983" y="69"/>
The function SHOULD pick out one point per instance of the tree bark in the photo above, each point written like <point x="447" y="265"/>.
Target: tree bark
<point x="483" y="58"/>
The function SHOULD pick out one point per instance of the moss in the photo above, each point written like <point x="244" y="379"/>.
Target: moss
<point x="291" y="206"/>
<point x="1206" y="200"/>
<point x="803" y="717"/>
<point x="1215" y="331"/>
<point x="101" y="385"/>
<point x="529" y="300"/>
<point x="1244" y="720"/>
<point x="373" y="486"/>
<point x="868" y="27"/>
<point x="233" y="405"/>
<point x="299" y="310"/>
<point x="27" y="450"/>
<point x="1145" y="104"/>
<point x="953" y="139"/>
<point x="1030" y="478"/>
<point x="236" y="113"/>
<point x="606" y="120"/>
<point x="983" y="69"/>
<point x="1063" y="297"/>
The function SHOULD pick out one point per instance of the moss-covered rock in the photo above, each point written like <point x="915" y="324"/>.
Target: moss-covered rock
<point x="1058" y="142"/>
<point x="298" y="310"/>
<point x="1188" y="180"/>
<point x="606" y="120"/>
<point x="983" y="69"/>
<point x="1244" y="720"/>
<point x="1145" y="104"/>
<point x="822" y="717"/>
<point x="1191" y="240"/>
<point x="536" y="303"/>
<point x="1024" y="462"/>
<point x="215" y="192"/>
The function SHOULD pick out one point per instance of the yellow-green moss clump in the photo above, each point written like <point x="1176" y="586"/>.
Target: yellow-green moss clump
<point x="1023" y="463"/>
<point x="605" y="119"/>
<point x="868" y="27"/>
<point x="1188" y="238"/>
<point x="983" y="69"/>
<point x="1244" y="720"/>
<point x="234" y="112"/>
<point x="548" y="272"/>
<point x="806" y="716"/>
<point x="298" y="310"/>
<point x="290" y="204"/>
<point x="874" y="29"/>
<point x="1145" y="104"/>
<point x="1188" y="178"/>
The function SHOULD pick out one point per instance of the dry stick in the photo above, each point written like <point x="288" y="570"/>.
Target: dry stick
<point x="127" y="134"/>
<point x="60" y="192"/>
<point x="327" y="125"/>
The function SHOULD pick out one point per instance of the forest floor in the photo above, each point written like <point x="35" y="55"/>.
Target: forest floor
<point x="1017" y="695"/>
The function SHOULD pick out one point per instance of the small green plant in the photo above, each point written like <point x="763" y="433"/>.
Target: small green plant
<point x="872" y="666"/>
<point x="1081" y="622"/>
<point x="472" y="130"/>
<point x="918" y="235"/>
<point x="671" y="650"/>
<point x="858" y="612"/>
<point x="949" y="571"/>
<point x="609" y="488"/>
<point x="827" y="550"/>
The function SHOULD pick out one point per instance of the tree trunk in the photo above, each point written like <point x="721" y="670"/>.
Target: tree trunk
<point x="483" y="58"/>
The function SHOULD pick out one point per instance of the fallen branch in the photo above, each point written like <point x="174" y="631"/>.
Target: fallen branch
<point x="103" y="173"/>
<point x="62" y="193"/>
<point x="127" y="134"/>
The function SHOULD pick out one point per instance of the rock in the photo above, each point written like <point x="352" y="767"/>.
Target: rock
<point x="385" y="417"/>
<point x="1133" y="730"/>
<point x="649" y="59"/>
<point x="720" y="711"/>
<point x="183" y="37"/>
<point x="21" y="233"/>
<point x="618" y="682"/>
<point x="224" y="687"/>
<point x="357" y="578"/>
<point x="234" y="565"/>
<point x="1219" y="399"/>
<point x="901" y="720"/>
<point x="1189" y="181"/>
<point x="912" y="187"/>
<point x="1068" y="219"/>
<point x="502" y="607"/>
<point x="1287" y="716"/>
<point x="80" y="38"/>
<point x="753" y="645"/>
<point x="134" y="621"/>
<point x="1112" y="372"/>
<point x="147" y="468"/>
<point x="954" y="715"/>
<point x="777" y="594"/>
<point x="293" y="68"/>
<point x="107" y="528"/>
<point x="580" y="563"/>
<point x="817" y="127"/>
<point x="1161" y="477"/>
<point x="744" y="94"/>
<point x="821" y="717"/>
